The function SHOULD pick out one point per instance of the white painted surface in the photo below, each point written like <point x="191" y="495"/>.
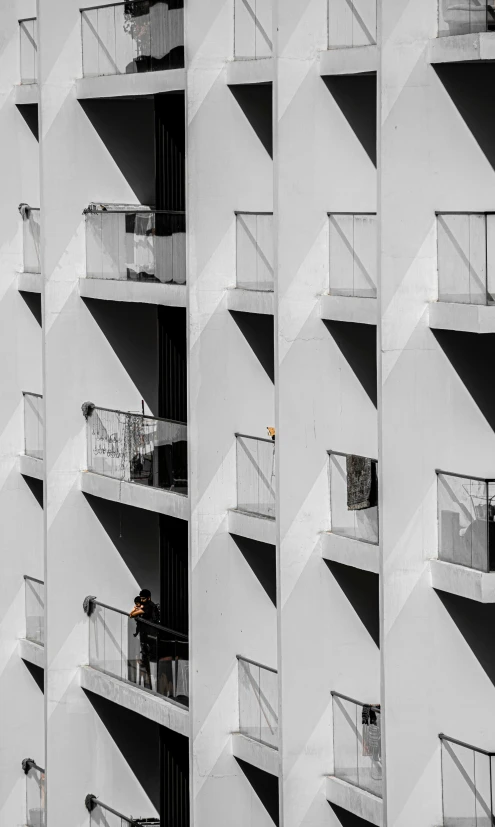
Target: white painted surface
<point x="255" y="753"/>
<point x="349" y="552"/>
<point x="170" y="295"/>
<point x="32" y="652"/>
<point x="349" y="61"/>
<point x="116" y="86"/>
<point x="463" y="581"/>
<point x="348" y="309"/>
<point x="250" y="301"/>
<point x="262" y="529"/>
<point x="462" y="48"/>
<point x="29" y="282"/>
<point x="470" y="318"/>
<point x="259" y="70"/>
<point x="31" y="467"/>
<point x="357" y="801"/>
<point x="139" y="496"/>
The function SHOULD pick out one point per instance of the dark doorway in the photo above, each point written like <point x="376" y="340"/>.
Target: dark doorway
<point x="174" y="574"/>
<point x="170" y="154"/>
<point x="172" y="343"/>
<point x="174" y="759"/>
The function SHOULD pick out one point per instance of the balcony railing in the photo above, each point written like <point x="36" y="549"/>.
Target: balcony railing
<point x="354" y="496"/>
<point x="467" y="784"/>
<point x="135" y="36"/>
<point x="465" y="17"/>
<point x="35" y="793"/>
<point x="357" y="743"/>
<point x="30" y="238"/>
<point x="252" y="29"/>
<point x="136" y="246"/>
<point x="351" y="23"/>
<point x="137" y="651"/>
<point x="466" y="521"/>
<point x="103" y="814"/>
<point x="35" y="609"/>
<point x="254" y="251"/>
<point x="466" y="269"/>
<point x="353" y="254"/>
<point x="136" y="448"/>
<point x="258" y="702"/>
<point x="28" y="34"/>
<point x="33" y="425"/>
<point x="256" y="475"/>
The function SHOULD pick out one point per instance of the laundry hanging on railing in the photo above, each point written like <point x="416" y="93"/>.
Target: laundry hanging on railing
<point x="361" y="483"/>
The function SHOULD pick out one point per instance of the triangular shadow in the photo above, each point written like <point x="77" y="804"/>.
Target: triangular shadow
<point x="357" y="343"/>
<point x="33" y="301"/>
<point x="362" y="591"/>
<point x="469" y="84"/>
<point x="37" y="673"/>
<point x="36" y="488"/>
<point x="255" y="100"/>
<point x="475" y="622"/>
<point x="472" y="356"/>
<point x="261" y="558"/>
<point x="356" y="97"/>
<point x="258" y="331"/>
<point x="348" y="819"/>
<point x="29" y="112"/>
<point x="265" y="786"/>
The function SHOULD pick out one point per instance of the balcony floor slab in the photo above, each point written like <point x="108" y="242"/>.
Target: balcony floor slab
<point x="139" y="496"/>
<point x="257" y="70"/>
<point x="252" y="526"/>
<point x="466" y="318"/>
<point x="464" y="48"/>
<point x="255" y="753"/>
<point x="29" y="282"/>
<point x="355" y="800"/>
<point x="358" y="60"/>
<point x="349" y="552"/>
<point x="348" y="309"/>
<point x="32" y="652"/>
<point x="31" y="467"/>
<point x="169" y="295"/>
<point x="463" y="581"/>
<point x="25" y="93"/>
<point x="132" y="85"/>
<point x="251" y="301"/>
<point x="160" y="710"/>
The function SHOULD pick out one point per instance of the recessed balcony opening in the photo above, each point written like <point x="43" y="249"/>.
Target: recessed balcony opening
<point x="34" y="591"/>
<point x="28" y="40"/>
<point x="256" y="488"/>
<point x="33" y="425"/>
<point x="466" y="258"/>
<point x="258" y="702"/>
<point x="468" y="17"/>
<point x="254" y="251"/>
<point x="351" y="23"/>
<point x="35" y="793"/>
<point x="30" y="238"/>
<point x="134" y="36"/>
<point x="467" y="784"/>
<point x="352" y="254"/>
<point x="252" y="29"/>
<point x="354" y="496"/>
<point x="466" y="521"/>
<point x="357" y="743"/>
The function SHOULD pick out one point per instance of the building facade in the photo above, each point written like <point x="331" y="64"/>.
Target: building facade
<point x="246" y="312"/>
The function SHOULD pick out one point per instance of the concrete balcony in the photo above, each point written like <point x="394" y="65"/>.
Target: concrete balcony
<point x="169" y="295"/>
<point x="253" y="526"/>
<point x="256" y="743"/>
<point x="32" y="652"/>
<point x="29" y="282"/>
<point x="254" y="516"/>
<point x="357" y="60"/>
<point x="251" y="301"/>
<point x="462" y="581"/>
<point x="464" y="48"/>
<point x="255" y="753"/>
<point x="349" y="309"/>
<point x="350" y="552"/>
<point x="132" y="85"/>
<point x="361" y="803"/>
<point x="256" y="70"/>
<point x="139" y="496"/>
<point x="26" y="93"/>
<point x="465" y="318"/>
<point x="31" y="467"/>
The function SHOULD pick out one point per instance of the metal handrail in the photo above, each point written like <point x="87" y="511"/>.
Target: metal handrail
<point x="463" y="476"/>
<point x="257" y="438"/>
<point x="178" y="635"/>
<point x="251" y="212"/>
<point x="91" y="802"/>
<point x="139" y="209"/>
<point x="34" y="579"/>
<point x="463" y="744"/>
<point x="30" y="393"/>
<point x="353" y="700"/>
<point x="26" y="19"/>
<point x="140" y="415"/>
<point x="343" y="454"/>
<point x="255" y="663"/>
<point x="28" y="764"/>
<point x="110" y="5"/>
<point x="344" y="212"/>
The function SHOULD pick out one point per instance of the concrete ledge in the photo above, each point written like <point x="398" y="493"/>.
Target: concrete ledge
<point x="124" y="86"/>
<point x="171" y="295"/>
<point x="31" y="467"/>
<point x="32" y="652"/>
<point x="348" y="309"/>
<point x="259" y="70"/>
<point x="355" y="553"/>
<point x="251" y="301"/>
<point x="26" y="93"/>
<point x="465" y="582"/>
<point x="263" y="529"/>
<point x="139" y="496"/>
<point x="358" y="60"/>
<point x="29" y="282"/>
<point x="464" y="48"/>
<point x="355" y="800"/>
<point x="254" y="753"/>
<point x="470" y="318"/>
<point x="160" y="710"/>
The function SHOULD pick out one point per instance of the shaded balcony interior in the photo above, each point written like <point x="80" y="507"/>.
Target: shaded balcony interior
<point x="30" y="238"/>
<point x="134" y="36"/>
<point x="35" y="793"/>
<point x="256" y="102"/>
<point x="255" y="467"/>
<point x="161" y="768"/>
<point x="265" y="787"/>
<point x="353" y="254"/>
<point x="466" y="258"/>
<point x="254" y="251"/>
<point x="258" y="332"/>
<point x="466" y="521"/>
<point x="467" y="784"/>
<point x="258" y="702"/>
<point x="356" y="97"/>
<point x="252" y="29"/>
<point x="357" y="343"/>
<point x="33" y="425"/>
<point x="354" y="496"/>
<point x="351" y="23"/>
<point x="261" y="558"/>
<point x="357" y="743"/>
<point x="468" y="17"/>
<point x="28" y="44"/>
<point x="34" y="591"/>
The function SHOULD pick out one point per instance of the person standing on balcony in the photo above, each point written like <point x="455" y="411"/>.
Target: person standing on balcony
<point x="145" y="610"/>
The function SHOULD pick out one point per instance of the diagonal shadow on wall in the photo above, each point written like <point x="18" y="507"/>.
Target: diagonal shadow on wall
<point x="475" y="622"/>
<point x="261" y="558"/>
<point x="265" y="786"/>
<point x="356" y="97"/>
<point x="29" y="112"/>
<point x="36" y="488"/>
<point x="33" y="301"/>
<point x="255" y="100"/>
<point x="348" y="819"/>
<point x="258" y="331"/>
<point x="37" y="673"/>
<point x="357" y="343"/>
<point x="362" y="591"/>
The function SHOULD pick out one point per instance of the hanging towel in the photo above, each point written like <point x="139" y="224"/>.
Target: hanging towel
<point x="360" y="492"/>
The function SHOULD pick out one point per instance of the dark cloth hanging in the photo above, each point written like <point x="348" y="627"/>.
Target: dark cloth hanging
<point x="361" y="483"/>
